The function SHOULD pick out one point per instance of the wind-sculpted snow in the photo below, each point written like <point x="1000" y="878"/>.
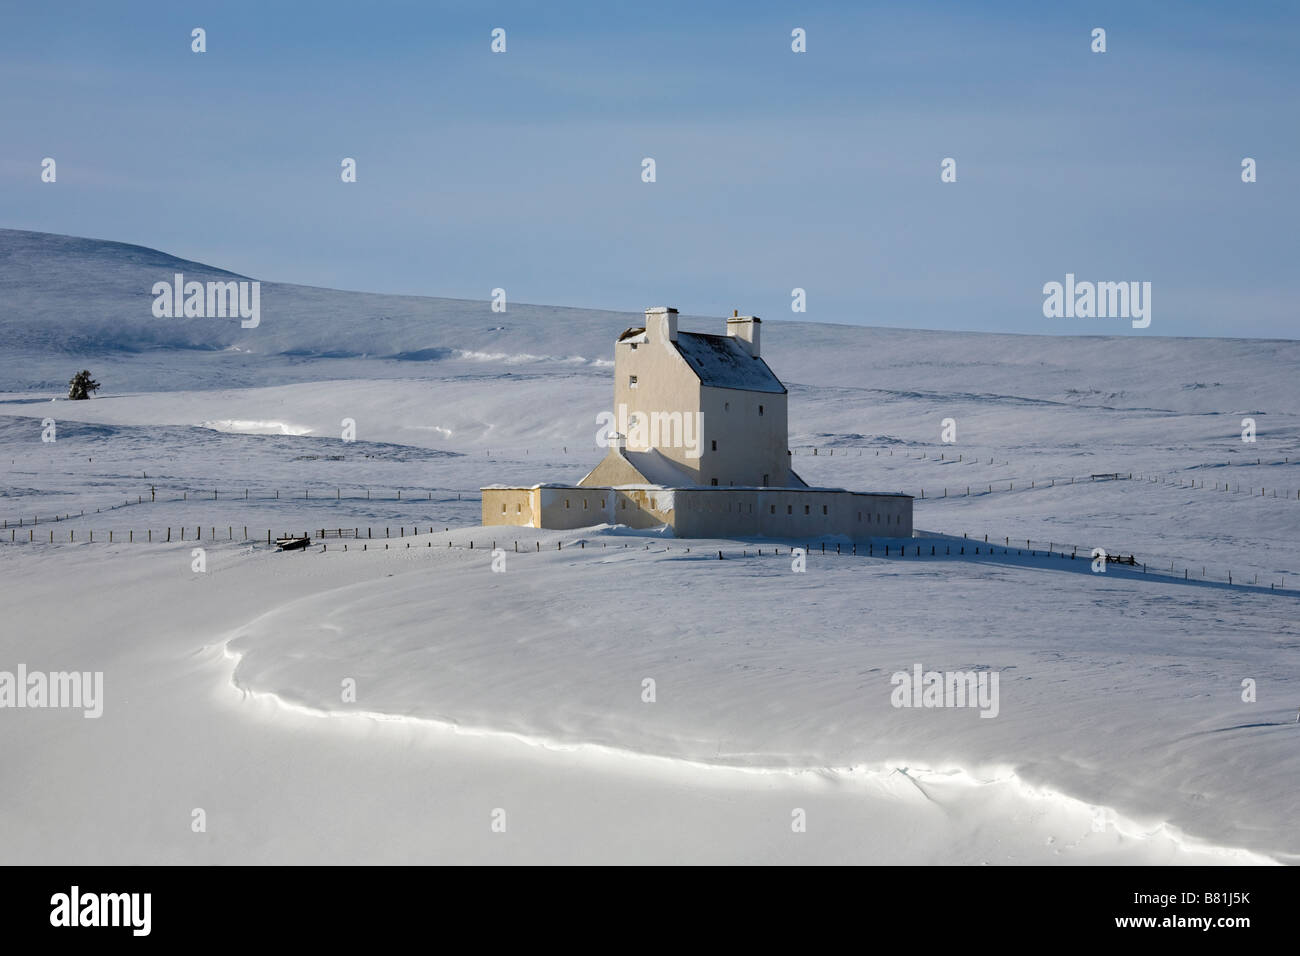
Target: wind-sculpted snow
<point x="82" y="296"/>
<point x="1135" y="704"/>
<point x="85" y="297"/>
<point x="1121" y="694"/>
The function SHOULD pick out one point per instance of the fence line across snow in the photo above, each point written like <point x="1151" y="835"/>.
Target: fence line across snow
<point x="423" y="496"/>
<point x="966" y="546"/>
<point x="962" y="491"/>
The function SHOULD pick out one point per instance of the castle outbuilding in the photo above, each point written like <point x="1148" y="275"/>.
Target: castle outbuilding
<point x="697" y="441"/>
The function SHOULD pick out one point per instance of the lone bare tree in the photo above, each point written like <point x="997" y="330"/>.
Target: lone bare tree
<point x="81" y="385"/>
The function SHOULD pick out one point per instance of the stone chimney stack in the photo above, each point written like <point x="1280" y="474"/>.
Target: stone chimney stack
<point x="661" y="323"/>
<point x="744" y="328"/>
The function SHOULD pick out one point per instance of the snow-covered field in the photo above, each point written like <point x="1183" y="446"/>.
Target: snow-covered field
<point x="1121" y="732"/>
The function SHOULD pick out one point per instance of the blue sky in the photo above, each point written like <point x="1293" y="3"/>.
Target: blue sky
<point x="775" y="170"/>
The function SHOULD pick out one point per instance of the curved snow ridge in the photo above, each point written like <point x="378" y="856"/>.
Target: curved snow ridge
<point x="521" y="358"/>
<point x="249" y="427"/>
<point x="878" y="776"/>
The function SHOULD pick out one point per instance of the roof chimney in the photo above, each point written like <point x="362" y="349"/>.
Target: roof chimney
<point x="744" y="328"/>
<point x="661" y="323"/>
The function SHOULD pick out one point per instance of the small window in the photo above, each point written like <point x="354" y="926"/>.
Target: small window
<point x="773" y="509"/>
<point x="726" y="406"/>
<point x="760" y="409"/>
<point x="715" y="481"/>
<point x="715" y="445"/>
<point x="805" y="509"/>
<point x="623" y="504"/>
<point x="584" y="504"/>
<point x="823" y="509"/>
<point x="789" y="509"/>
<point x="602" y="502"/>
<point x="765" y="481"/>
<point x="503" y="507"/>
<point x="633" y="346"/>
<point x="519" y="509"/>
<point x="751" y="509"/>
<point x="631" y="381"/>
<point x="566" y="502"/>
<point x="859" y="515"/>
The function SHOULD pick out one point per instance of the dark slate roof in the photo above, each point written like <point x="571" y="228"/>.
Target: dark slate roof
<point x="720" y="362"/>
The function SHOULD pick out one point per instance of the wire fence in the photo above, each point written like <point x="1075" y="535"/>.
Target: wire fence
<point x="156" y="495"/>
<point x="1034" y="553"/>
<point x="1052" y="481"/>
<point x="990" y="488"/>
<point x="1115" y="558"/>
<point x="922" y="546"/>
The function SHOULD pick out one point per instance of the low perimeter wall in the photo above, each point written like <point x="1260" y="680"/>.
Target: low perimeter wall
<point x="705" y="512"/>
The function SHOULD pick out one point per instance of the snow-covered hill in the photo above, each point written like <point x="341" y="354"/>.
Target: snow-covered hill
<point x="1121" y="692"/>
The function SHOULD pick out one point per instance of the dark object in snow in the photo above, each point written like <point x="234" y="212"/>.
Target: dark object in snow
<point x="1120" y="559"/>
<point x="81" y="385"/>
<point x="292" y="542"/>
